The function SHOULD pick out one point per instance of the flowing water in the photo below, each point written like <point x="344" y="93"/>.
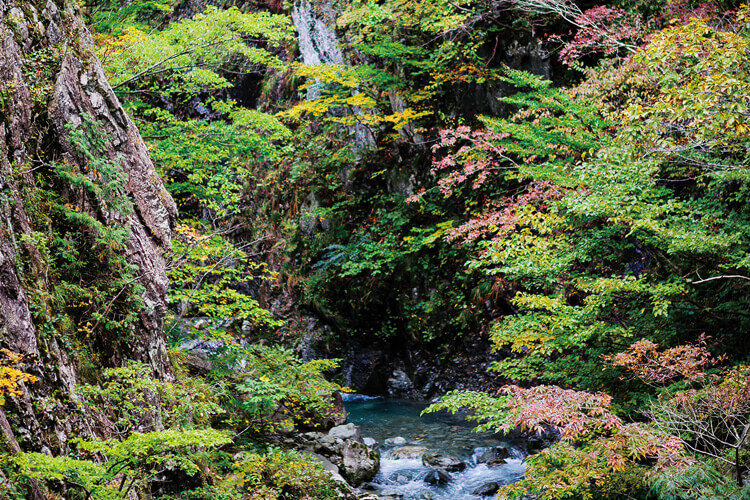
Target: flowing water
<point x="381" y="419"/>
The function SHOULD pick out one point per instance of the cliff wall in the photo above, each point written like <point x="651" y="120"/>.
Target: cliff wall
<point x="64" y="290"/>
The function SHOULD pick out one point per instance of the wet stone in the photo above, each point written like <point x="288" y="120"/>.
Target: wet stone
<point x="437" y="476"/>
<point x="443" y="461"/>
<point x="490" y="454"/>
<point x="497" y="463"/>
<point x="486" y="489"/>
<point x="348" y="431"/>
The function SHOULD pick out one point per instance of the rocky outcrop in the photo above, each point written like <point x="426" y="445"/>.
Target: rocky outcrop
<point x="50" y="84"/>
<point x="343" y="448"/>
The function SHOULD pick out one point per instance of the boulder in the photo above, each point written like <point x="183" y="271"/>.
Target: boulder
<point x="437" y="476"/>
<point x="369" y="442"/>
<point x="348" y="431"/>
<point x="486" y="490"/>
<point x="497" y="463"/>
<point x="327" y="464"/>
<point x="490" y="454"/>
<point x="359" y="462"/>
<point x="408" y="452"/>
<point x="443" y="461"/>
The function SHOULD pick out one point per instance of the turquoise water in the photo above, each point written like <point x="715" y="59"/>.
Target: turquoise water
<point x="381" y="419"/>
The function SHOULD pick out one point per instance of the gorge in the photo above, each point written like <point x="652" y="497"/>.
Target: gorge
<point x="527" y="217"/>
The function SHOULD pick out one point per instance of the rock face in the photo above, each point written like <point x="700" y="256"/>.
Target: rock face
<point x="399" y="384"/>
<point x="50" y="84"/>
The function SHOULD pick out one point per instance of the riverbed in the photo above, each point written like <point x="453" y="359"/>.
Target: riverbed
<point x="384" y="420"/>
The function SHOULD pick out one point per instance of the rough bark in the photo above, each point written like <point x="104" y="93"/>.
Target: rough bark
<point x="36" y="108"/>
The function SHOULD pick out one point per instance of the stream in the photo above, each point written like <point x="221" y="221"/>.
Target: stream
<point x="384" y="419"/>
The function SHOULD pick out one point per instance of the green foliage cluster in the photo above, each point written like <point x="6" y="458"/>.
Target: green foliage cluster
<point x="131" y="400"/>
<point x="645" y="237"/>
<point x="212" y="430"/>
<point x="280" y="474"/>
<point x="206" y="272"/>
<point x="274" y="390"/>
<point x="130" y="464"/>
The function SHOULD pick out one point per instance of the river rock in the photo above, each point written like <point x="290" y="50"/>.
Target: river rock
<point x="490" y="454"/>
<point x="359" y="462"/>
<point x="348" y="431"/>
<point x="395" y="441"/>
<point x="437" y="476"/>
<point x="497" y="463"/>
<point x="486" y="490"/>
<point x="443" y="461"/>
<point x="408" y="452"/>
<point x="369" y="442"/>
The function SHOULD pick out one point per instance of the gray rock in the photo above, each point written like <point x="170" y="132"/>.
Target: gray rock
<point x="490" y="454"/>
<point x="389" y="494"/>
<point x="359" y="462"/>
<point x="348" y="431"/>
<point x="369" y="441"/>
<point x="497" y="463"/>
<point x="486" y="489"/>
<point x="408" y="452"/>
<point x="443" y="461"/>
<point x="401" y="479"/>
<point x="327" y="464"/>
<point x="437" y="476"/>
